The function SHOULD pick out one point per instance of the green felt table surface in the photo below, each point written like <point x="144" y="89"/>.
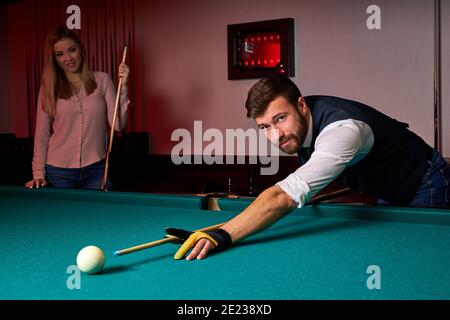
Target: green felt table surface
<point x="317" y="252"/>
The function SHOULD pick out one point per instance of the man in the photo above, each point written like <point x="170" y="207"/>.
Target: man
<point x="335" y="139"/>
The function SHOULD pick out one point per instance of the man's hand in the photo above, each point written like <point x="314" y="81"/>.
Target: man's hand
<point x="202" y="242"/>
<point x="270" y="206"/>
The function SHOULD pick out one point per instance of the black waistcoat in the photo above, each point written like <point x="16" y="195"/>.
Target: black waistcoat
<point x="397" y="162"/>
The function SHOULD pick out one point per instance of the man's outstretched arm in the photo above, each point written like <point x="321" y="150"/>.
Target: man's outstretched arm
<point x="270" y="206"/>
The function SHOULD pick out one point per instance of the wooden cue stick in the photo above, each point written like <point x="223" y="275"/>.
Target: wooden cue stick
<point x="111" y="134"/>
<point x="159" y="242"/>
<point x="330" y="195"/>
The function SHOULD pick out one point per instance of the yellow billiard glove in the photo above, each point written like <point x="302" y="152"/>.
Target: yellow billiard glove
<point x="191" y="241"/>
<point x="219" y="238"/>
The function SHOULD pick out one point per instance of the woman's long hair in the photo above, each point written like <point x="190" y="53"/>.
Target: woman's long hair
<point x="54" y="81"/>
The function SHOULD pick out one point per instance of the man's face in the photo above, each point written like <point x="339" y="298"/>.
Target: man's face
<point x="285" y="125"/>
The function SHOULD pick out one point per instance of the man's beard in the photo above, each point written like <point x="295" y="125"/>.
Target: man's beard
<point x="295" y="139"/>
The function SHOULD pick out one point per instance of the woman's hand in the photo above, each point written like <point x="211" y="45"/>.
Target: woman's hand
<point x="124" y="71"/>
<point x="36" y="183"/>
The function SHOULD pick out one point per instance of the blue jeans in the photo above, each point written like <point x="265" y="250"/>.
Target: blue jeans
<point x="434" y="190"/>
<point x="89" y="177"/>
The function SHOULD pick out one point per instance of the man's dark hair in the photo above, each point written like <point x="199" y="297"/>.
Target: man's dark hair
<point x="268" y="89"/>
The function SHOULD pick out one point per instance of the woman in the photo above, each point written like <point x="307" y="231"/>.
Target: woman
<point x="74" y="108"/>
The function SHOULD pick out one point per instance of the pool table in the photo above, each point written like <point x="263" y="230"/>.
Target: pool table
<point x="322" y="251"/>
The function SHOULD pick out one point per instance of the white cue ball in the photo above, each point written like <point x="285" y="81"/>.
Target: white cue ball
<point x="90" y="259"/>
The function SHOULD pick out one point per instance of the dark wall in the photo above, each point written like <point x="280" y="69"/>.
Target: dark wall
<point x="133" y="169"/>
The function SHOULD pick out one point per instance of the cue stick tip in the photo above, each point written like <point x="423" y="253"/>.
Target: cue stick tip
<point x="116" y="253"/>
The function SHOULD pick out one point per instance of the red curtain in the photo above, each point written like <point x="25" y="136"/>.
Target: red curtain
<point x="106" y="27"/>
